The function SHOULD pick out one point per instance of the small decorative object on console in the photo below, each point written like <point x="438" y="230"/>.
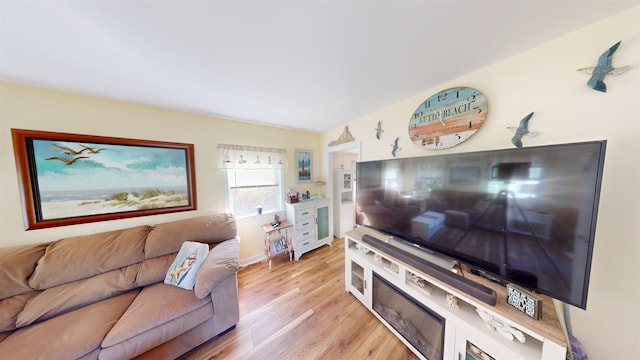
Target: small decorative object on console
<point x="422" y="283"/>
<point x="452" y="301"/>
<point x="503" y="329"/>
<point x="524" y="301"/>
<point x="362" y="249"/>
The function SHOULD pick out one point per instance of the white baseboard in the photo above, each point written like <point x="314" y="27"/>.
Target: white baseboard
<point x="252" y="260"/>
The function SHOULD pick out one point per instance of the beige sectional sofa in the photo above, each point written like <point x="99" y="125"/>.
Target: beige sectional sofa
<point x="103" y="296"/>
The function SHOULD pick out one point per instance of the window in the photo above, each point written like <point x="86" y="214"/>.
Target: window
<point x="248" y="189"/>
<point x="254" y="178"/>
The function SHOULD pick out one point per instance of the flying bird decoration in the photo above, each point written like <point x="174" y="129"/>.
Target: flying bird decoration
<point x="379" y="129"/>
<point x="68" y="161"/>
<point x="522" y="130"/>
<point x="603" y="69"/>
<point x="395" y="147"/>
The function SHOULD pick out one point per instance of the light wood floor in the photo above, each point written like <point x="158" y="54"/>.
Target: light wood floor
<point x="301" y="310"/>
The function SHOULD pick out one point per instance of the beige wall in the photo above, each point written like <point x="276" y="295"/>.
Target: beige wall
<point x="31" y="108"/>
<point x="544" y="80"/>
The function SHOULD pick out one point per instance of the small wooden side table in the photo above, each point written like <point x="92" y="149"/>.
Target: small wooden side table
<point x="277" y="240"/>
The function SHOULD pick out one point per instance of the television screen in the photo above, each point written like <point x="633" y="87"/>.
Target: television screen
<point x="526" y="216"/>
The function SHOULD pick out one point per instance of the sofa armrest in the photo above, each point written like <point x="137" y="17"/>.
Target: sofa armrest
<point x="221" y="262"/>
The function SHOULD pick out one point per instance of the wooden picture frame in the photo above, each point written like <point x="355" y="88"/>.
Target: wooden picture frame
<point x="67" y="179"/>
<point x="304" y="165"/>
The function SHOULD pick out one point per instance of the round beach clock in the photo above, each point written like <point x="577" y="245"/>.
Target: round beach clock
<point x="448" y="118"/>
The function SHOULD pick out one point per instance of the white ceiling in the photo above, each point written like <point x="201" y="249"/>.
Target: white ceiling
<point x="297" y="64"/>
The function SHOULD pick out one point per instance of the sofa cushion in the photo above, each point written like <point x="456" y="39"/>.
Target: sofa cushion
<point x="68" y="336"/>
<point x="89" y="255"/>
<point x="167" y="238"/>
<point x="159" y="335"/>
<point x="156" y="304"/>
<point x="154" y="270"/>
<point x="159" y="313"/>
<point x="184" y="269"/>
<point x="11" y="307"/>
<point x="222" y="262"/>
<point x="16" y="266"/>
<point x="62" y="298"/>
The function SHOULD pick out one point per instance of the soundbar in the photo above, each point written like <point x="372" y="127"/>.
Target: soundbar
<point x="470" y="287"/>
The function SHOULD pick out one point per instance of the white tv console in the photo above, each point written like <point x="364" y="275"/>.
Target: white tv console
<point x="543" y="339"/>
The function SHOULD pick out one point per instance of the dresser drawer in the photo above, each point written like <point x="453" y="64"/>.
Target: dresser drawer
<point x="305" y="240"/>
<point x="304" y="213"/>
<point x="303" y="233"/>
<point x="305" y="224"/>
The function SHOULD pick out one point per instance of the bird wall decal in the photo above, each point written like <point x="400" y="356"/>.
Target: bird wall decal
<point x="603" y="69"/>
<point x="522" y="130"/>
<point x="379" y="129"/>
<point x="68" y="161"/>
<point x="395" y="147"/>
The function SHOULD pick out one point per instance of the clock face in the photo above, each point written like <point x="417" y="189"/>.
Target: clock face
<point x="448" y="118"/>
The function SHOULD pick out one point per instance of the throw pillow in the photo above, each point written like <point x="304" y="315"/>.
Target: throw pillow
<point x="184" y="269"/>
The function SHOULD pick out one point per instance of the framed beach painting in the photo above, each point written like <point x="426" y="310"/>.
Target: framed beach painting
<point x="305" y="165"/>
<point x="72" y="179"/>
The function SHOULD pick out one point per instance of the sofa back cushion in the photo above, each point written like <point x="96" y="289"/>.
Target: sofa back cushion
<point x="85" y="256"/>
<point x="167" y="238"/>
<point x="16" y="266"/>
<point x="62" y="298"/>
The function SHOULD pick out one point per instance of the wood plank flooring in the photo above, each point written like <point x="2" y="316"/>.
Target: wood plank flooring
<point x="301" y="310"/>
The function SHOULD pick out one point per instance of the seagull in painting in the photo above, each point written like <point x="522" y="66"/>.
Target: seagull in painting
<point x="395" y="147"/>
<point x="69" y="151"/>
<point x="91" y="150"/>
<point x="522" y="130"/>
<point x="603" y="69"/>
<point x="68" y="161"/>
<point x="379" y="129"/>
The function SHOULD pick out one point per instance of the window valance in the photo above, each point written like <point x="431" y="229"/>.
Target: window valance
<point x="251" y="157"/>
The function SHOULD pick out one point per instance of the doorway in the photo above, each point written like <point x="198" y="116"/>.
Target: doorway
<point x="342" y="159"/>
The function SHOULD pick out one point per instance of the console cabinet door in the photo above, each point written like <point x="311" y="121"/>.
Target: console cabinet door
<point x="358" y="279"/>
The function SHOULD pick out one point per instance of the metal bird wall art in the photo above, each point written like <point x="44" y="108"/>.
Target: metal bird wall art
<point x="379" y="129"/>
<point x="394" y="147"/>
<point x="603" y="69"/>
<point x="522" y="130"/>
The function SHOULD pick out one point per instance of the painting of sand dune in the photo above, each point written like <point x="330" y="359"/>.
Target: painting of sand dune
<point x="90" y="178"/>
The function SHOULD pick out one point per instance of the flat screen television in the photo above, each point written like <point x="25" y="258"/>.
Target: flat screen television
<point x="524" y="215"/>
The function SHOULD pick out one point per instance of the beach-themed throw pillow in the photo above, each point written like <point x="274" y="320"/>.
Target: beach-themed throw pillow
<point x="183" y="270"/>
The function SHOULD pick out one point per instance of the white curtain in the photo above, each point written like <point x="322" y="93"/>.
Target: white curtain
<point x="251" y="157"/>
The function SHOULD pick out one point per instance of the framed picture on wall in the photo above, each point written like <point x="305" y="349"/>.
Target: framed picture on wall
<point x="72" y="179"/>
<point x="304" y="161"/>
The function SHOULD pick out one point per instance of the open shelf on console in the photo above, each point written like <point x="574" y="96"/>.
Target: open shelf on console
<point x="380" y="262"/>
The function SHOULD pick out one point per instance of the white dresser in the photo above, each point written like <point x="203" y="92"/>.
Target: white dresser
<point x="311" y="225"/>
